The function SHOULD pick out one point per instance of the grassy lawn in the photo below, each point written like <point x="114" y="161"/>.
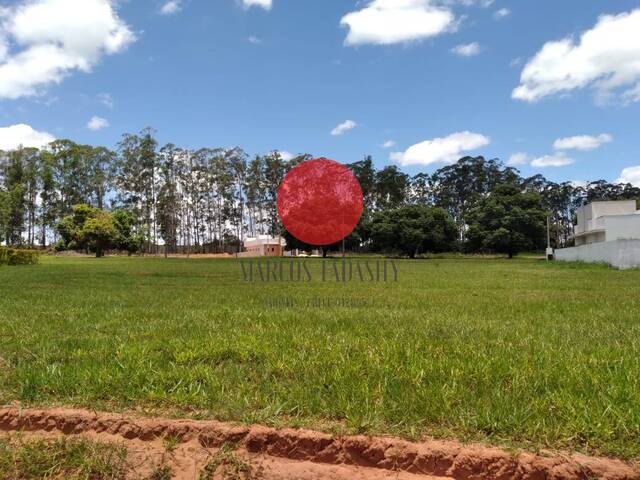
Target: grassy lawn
<point x="61" y="460"/>
<point x="520" y="352"/>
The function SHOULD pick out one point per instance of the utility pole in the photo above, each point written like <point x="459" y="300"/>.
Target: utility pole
<point x="549" y="253"/>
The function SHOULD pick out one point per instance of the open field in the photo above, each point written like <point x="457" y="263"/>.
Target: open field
<point x="521" y="353"/>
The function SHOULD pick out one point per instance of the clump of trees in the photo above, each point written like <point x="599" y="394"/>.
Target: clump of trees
<point x="96" y="230"/>
<point x="210" y="199"/>
<point x="413" y="229"/>
<point x="507" y="221"/>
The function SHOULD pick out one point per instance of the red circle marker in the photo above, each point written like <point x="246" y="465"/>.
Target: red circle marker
<point x="320" y="201"/>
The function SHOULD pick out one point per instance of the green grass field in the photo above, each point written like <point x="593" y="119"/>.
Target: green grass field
<point x="522" y="353"/>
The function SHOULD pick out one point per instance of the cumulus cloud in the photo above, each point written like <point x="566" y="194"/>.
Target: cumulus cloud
<point x="344" y="127"/>
<point x="467" y="50"/>
<point x="582" y="142"/>
<point x="519" y="158"/>
<point x="389" y="144"/>
<point x="50" y="39"/>
<point x="630" y="175"/>
<point x="559" y="159"/>
<point x="106" y="99"/>
<point x="606" y="58"/>
<point x="253" y="39"/>
<point x="385" y="22"/>
<point x="97" y="123"/>
<point x="171" y="7"/>
<point x="266" y="4"/>
<point x="441" y="150"/>
<point x="503" y="12"/>
<point x="18" y="135"/>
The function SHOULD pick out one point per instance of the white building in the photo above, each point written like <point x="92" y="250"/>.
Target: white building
<point x="607" y="232"/>
<point x="263" y="246"/>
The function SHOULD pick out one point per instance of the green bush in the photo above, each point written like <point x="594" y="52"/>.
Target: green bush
<point x="15" y="256"/>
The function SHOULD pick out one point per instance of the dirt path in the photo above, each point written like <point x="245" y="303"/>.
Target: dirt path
<point x="301" y="454"/>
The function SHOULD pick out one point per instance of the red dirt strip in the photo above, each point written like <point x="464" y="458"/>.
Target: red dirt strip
<point x="283" y="452"/>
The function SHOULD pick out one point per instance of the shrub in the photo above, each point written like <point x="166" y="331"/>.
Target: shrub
<point x="15" y="256"/>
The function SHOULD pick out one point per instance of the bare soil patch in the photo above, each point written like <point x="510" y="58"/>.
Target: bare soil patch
<point x="194" y="449"/>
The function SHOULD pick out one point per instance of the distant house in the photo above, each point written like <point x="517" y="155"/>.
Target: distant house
<point x="607" y="232"/>
<point x="607" y="221"/>
<point x="263" y="246"/>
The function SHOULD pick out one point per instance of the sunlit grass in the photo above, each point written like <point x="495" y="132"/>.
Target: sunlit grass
<point x="519" y="352"/>
<point x="74" y="459"/>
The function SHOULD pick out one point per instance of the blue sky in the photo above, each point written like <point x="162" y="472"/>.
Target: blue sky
<point x="435" y="79"/>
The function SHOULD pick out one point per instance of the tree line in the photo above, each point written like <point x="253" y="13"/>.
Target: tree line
<point x="209" y="200"/>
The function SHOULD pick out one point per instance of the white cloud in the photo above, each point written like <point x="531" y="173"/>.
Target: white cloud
<point x="286" y="156"/>
<point x="344" y="127"/>
<point x="97" y="123"/>
<point x="16" y="135"/>
<point x="470" y="3"/>
<point x="519" y="158"/>
<point x="266" y="4"/>
<point x="630" y="175"/>
<point x="171" y="7"/>
<point x="440" y="150"/>
<point x="467" y="50"/>
<point x="559" y="159"/>
<point x="582" y="142"/>
<point x="52" y="38"/>
<point x="606" y="58"/>
<point x="106" y="99"/>
<point x="502" y="13"/>
<point x="389" y="144"/>
<point x="385" y="22"/>
<point x="253" y="39"/>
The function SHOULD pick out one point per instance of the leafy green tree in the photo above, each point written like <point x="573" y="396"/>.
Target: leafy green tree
<point x="15" y="186"/>
<point x="127" y="238"/>
<point x="92" y="229"/>
<point x="413" y="229"/>
<point x="4" y="214"/>
<point x="98" y="233"/>
<point x="507" y="221"/>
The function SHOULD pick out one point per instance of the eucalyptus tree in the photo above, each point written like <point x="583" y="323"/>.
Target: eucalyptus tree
<point x="169" y="198"/>
<point x="459" y="187"/>
<point x="255" y="188"/>
<point x="48" y="195"/>
<point x="236" y="159"/>
<point x="69" y="174"/>
<point x="392" y="187"/>
<point x="15" y="186"/>
<point x="135" y="179"/>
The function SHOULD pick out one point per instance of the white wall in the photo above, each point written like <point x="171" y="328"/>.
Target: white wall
<point x="619" y="227"/>
<point x="618" y="207"/>
<point x="590" y="215"/>
<point x="622" y="254"/>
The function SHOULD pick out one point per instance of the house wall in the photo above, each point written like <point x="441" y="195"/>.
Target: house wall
<point x="619" y="227"/>
<point x="622" y="254"/>
<point x="589" y="215"/>
<point x="263" y="250"/>
<point x="619" y="207"/>
<point x="593" y="237"/>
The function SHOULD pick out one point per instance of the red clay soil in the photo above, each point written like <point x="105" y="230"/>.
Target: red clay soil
<point x="304" y="454"/>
